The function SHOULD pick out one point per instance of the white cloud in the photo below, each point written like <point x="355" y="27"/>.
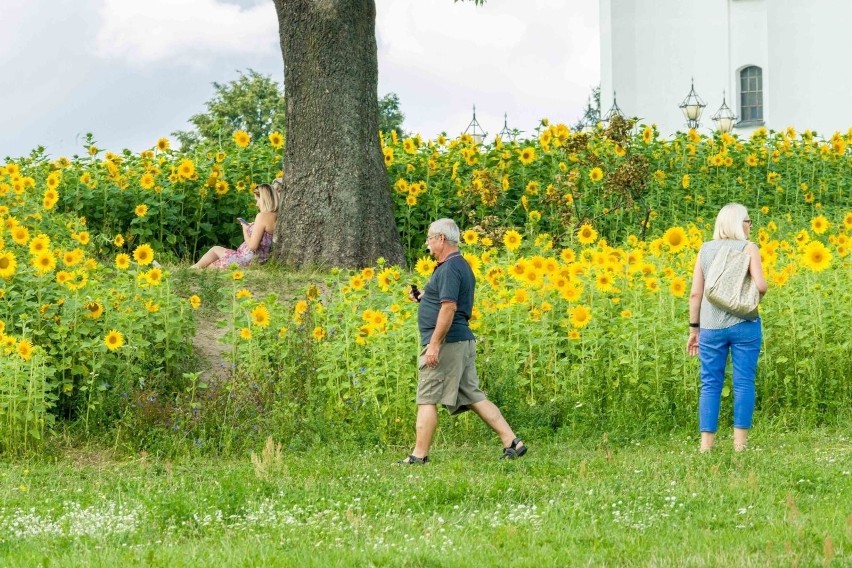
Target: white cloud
<point x="187" y="32"/>
<point x="530" y="59"/>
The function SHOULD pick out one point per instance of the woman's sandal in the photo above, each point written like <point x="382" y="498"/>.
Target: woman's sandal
<point x="514" y="451"/>
<point x="414" y="460"/>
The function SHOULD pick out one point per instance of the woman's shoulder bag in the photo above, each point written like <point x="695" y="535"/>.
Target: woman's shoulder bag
<point x="729" y="285"/>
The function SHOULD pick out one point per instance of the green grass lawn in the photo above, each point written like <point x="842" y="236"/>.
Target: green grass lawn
<point x="786" y="501"/>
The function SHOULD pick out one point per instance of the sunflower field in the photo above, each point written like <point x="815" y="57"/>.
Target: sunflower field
<point x="583" y="247"/>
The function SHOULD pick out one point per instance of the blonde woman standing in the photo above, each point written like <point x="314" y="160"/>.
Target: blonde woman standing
<point x="713" y="332"/>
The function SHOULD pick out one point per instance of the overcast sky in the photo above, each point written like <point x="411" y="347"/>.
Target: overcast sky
<point x="131" y="71"/>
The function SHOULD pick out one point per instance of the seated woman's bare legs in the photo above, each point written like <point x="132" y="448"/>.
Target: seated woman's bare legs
<point x="210" y="257"/>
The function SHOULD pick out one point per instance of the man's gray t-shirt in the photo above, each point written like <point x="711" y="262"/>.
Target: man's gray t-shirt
<point x="452" y="281"/>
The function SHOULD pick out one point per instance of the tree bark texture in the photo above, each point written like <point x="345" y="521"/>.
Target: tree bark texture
<point x="336" y="205"/>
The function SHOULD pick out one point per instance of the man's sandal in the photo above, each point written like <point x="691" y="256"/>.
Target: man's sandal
<point x="414" y="460"/>
<point x="514" y="451"/>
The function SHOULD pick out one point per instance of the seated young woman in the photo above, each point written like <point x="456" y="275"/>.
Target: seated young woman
<point x="257" y="236"/>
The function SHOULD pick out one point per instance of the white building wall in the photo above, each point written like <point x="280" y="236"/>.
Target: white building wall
<point x="811" y="79"/>
<point x="747" y="40"/>
<point x="651" y="48"/>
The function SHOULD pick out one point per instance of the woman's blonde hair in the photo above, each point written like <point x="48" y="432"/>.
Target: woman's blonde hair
<point x="729" y="222"/>
<point x="268" y="198"/>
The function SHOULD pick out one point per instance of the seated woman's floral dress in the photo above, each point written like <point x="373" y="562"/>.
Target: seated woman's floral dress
<point x="244" y="255"/>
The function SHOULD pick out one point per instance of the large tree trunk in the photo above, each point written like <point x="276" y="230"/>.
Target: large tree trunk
<point x="336" y="206"/>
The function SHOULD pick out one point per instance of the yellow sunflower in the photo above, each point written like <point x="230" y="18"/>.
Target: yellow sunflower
<point x="276" y="140"/>
<point x="8" y="264"/>
<point x="596" y="174"/>
<point x="677" y="287"/>
<point x="521" y="296"/>
<point x="94" y="310"/>
<point x="568" y="255"/>
<point x="242" y="138"/>
<point x="143" y="254"/>
<point x="245" y="333"/>
<point x="51" y="197"/>
<point x="527" y="156"/>
<point x="72" y="257"/>
<point x="186" y="169"/>
<point x="122" y="261"/>
<point x="605" y="282"/>
<point x="300" y="308"/>
<point x="39" y="244"/>
<point x="114" y="340"/>
<point x="580" y="316"/>
<point x="356" y="282"/>
<point x="819" y="224"/>
<point x="163" y="144"/>
<point x="385" y="278"/>
<point x="425" y="266"/>
<point x="816" y="256"/>
<point x="20" y="235"/>
<point x="154" y="276"/>
<point x="512" y="240"/>
<point x="44" y="262"/>
<point x="141" y="210"/>
<point x="195" y="301"/>
<point x="470" y="237"/>
<point x="319" y="333"/>
<point x="146" y="181"/>
<point x="25" y="349"/>
<point x="260" y="316"/>
<point x="587" y="234"/>
<point x="676" y="239"/>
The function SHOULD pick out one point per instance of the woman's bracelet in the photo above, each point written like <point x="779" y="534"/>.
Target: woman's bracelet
<point x="694" y="324"/>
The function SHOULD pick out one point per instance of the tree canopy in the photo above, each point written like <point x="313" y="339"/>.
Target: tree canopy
<point x="254" y="103"/>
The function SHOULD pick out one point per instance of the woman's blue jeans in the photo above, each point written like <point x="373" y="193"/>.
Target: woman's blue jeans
<point x="743" y="340"/>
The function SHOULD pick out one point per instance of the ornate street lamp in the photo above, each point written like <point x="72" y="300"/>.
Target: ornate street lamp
<point x="692" y="106"/>
<point x="475" y="129"/>
<point x="724" y="117"/>
<point x="613" y="111"/>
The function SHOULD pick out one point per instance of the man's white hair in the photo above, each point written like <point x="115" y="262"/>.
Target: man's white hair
<point x="446" y="227"/>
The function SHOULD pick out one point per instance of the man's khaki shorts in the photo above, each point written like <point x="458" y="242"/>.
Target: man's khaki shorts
<point x="453" y="382"/>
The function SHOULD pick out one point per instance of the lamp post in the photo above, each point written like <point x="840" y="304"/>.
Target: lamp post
<point x="475" y="129"/>
<point x="724" y="117"/>
<point x="613" y="111"/>
<point x="692" y="106"/>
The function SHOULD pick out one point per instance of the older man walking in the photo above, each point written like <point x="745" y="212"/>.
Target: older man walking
<point x="447" y="363"/>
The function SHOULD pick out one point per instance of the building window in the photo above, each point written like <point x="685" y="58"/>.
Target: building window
<point x="751" y="94"/>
